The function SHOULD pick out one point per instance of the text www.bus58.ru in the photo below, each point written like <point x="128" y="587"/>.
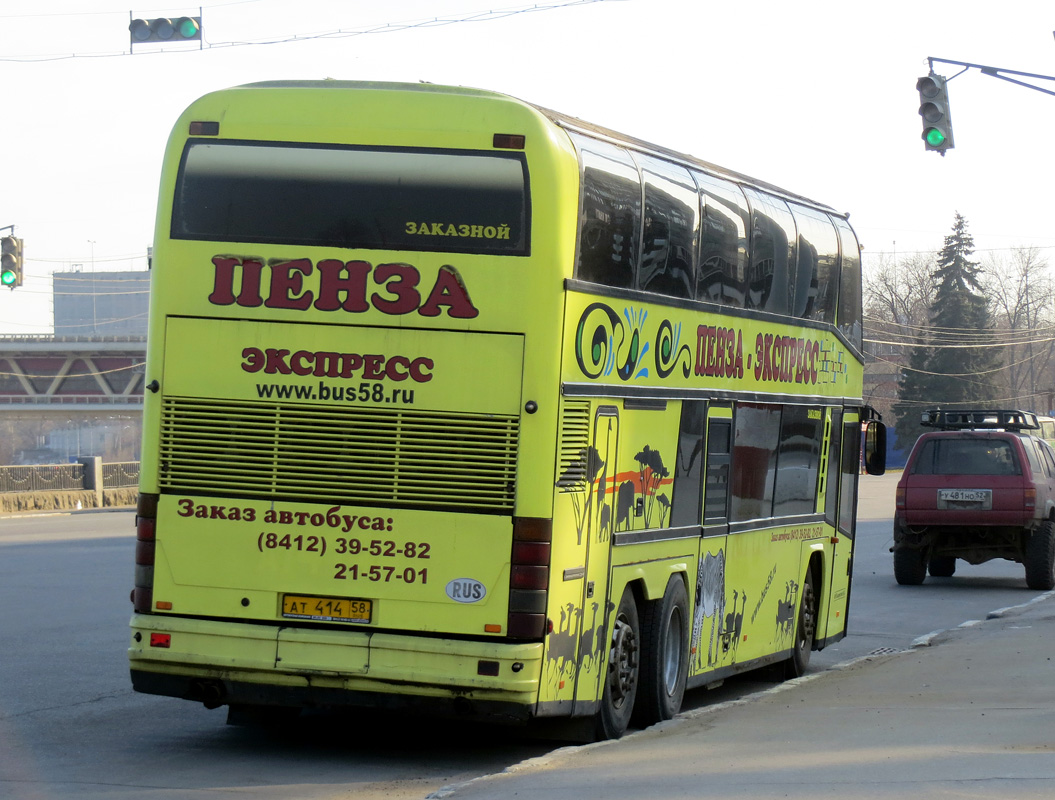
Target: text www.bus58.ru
<point x="366" y="392"/>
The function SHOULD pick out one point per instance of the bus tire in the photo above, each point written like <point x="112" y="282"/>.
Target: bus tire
<point x="664" y="655"/>
<point x="805" y="629"/>
<point x="910" y="566"/>
<point x="1039" y="557"/>
<point x="622" y="671"/>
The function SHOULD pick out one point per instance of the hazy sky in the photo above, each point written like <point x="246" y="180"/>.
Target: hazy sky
<point x="816" y="97"/>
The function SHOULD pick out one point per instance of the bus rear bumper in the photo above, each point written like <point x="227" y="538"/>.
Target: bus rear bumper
<point x="234" y="663"/>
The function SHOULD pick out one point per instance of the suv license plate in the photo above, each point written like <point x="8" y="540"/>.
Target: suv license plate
<point x="982" y="498"/>
<point x="326" y="609"/>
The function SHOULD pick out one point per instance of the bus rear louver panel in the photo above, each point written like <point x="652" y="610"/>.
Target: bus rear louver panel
<point x="574" y="447"/>
<point x="322" y="454"/>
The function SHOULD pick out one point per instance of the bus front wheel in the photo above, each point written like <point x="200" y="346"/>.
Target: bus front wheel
<point x="621" y="678"/>
<point x="805" y="629"/>
<point x="664" y="655"/>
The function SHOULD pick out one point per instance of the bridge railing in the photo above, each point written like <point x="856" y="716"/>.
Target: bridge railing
<point x="72" y="399"/>
<point x="66" y="477"/>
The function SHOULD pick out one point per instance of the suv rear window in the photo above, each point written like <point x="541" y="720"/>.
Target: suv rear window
<point x="966" y="457"/>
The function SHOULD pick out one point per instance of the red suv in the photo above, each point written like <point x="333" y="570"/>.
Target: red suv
<point x="980" y="487"/>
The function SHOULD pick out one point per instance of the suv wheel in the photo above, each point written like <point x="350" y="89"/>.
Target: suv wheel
<point x="1039" y="557"/>
<point x="910" y="566"/>
<point x="942" y="566"/>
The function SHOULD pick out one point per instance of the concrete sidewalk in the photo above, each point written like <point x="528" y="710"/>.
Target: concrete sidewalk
<point x="968" y="713"/>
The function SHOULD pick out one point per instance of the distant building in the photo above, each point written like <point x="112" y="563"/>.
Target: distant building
<point x="101" y="303"/>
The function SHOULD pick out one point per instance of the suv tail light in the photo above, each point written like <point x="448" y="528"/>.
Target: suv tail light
<point x="1030" y="499"/>
<point x="899" y="498"/>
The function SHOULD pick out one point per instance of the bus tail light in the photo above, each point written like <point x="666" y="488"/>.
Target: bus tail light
<point x="529" y="577"/>
<point x="146" y="530"/>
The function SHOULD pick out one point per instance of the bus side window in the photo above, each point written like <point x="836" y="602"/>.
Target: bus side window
<point x="816" y="282"/>
<point x="798" y="461"/>
<point x="716" y="491"/>
<point x="610" y="224"/>
<point x="722" y="271"/>
<point x="755" y="440"/>
<point x="849" y="304"/>
<point x="771" y="276"/>
<point x="672" y="213"/>
<point x="688" y="467"/>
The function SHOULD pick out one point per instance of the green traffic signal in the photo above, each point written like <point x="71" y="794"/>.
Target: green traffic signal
<point x="8" y="277"/>
<point x="188" y="28"/>
<point x="934" y="137"/>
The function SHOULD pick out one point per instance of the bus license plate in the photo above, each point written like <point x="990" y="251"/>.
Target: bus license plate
<point x="326" y="609"/>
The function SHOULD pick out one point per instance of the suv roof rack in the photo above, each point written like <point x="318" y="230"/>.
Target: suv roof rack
<point x="980" y="419"/>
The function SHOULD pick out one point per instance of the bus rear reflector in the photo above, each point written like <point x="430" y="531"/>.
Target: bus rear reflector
<point x="161" y="640"/>
<point x="146" y="532"/>
<point x="529" y="577"/>
<point x="204" y="128"/>
<point x="509" y="141"/>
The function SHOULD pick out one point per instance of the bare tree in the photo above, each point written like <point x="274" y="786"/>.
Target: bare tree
<point x="1021" y="295"/>
<point x="897" y="296"/>
<point x="898" y="293"/>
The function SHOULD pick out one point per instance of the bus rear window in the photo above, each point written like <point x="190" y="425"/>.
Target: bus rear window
<point x="382" y="199"/>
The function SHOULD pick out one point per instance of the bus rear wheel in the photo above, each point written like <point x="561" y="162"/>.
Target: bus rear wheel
<point x="664" y="655"/>
<point x="805" y="629"/>
<point x="622" y="672"/>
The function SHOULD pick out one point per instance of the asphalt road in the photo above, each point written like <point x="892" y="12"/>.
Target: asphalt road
<point x="70" y="725"/>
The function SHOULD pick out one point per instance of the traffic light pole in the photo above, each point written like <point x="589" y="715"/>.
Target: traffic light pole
<point x="997" y="72"/>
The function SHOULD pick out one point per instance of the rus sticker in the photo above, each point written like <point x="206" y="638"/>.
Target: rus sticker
<point x="466" y="590"/>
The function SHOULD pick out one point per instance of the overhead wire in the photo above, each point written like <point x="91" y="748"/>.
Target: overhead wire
<point x="340" y="33"/>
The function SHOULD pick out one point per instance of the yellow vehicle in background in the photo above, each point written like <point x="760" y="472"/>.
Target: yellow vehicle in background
<point x="457" y="403"/>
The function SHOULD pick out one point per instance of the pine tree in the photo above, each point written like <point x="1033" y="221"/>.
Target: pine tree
<point x="953" y="364"/>
<point x="964" y="362"/>
<point x="914" y="393"/>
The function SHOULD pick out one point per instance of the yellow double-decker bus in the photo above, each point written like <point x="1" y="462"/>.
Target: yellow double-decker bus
<point x="459" y="404"/>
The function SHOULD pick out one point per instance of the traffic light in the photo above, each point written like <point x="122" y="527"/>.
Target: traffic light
<point x="163" y="29"/>
<point x="10" y="262"/>
<point x="934" y="109"/>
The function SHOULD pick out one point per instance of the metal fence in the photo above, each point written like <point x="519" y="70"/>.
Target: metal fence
<point x="66" y="477"/>
<point x="121" y="475"/>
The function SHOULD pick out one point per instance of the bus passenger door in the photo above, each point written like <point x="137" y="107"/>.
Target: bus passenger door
<point x="840" y="511"/>
<point x="597" y="604"/>
<point x="715" y="618"/>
